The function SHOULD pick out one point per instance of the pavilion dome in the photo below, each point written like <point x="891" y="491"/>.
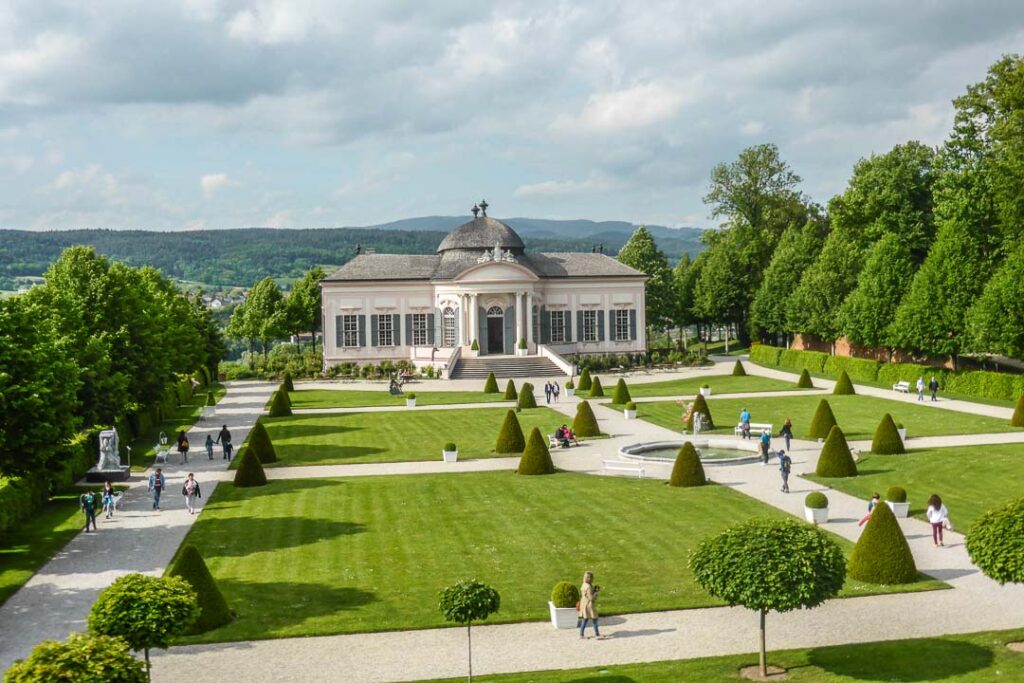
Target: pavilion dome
<point x="483" y="232"/>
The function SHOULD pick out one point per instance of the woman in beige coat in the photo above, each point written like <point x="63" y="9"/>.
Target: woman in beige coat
<point x="588" y="603"/>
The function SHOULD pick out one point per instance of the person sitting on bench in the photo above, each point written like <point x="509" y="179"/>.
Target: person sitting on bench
<point x="562" y="436"/>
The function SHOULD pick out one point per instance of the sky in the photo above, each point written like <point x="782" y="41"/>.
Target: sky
<point x="324" y="113"/>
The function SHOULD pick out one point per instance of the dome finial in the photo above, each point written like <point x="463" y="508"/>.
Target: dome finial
<point x="475" y="210"/>
<point x="483" y="207"/>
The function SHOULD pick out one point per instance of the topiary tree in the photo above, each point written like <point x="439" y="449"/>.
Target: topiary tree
<point x="287" y="384"/>
<point x="882" y="554"/>
<point x="260" y="444"/>
<point x="250" y="472"/>
<point x="585" y="423"/>
<point x="738" y="369"/>
<point x="584" y="384"/>
<point x="565" y="594"/>
<point x="596" y="390"/>
<point x="700" y="406"/>
<point x="621" y="394"/>
<point x="770" y="566"/>
<point x="279" y="405"/>
<point x="816" y="500"/>
<point x="996" y="543"/>
<point x="466" y="602"/>
<point x="536" y="457"/>
<point x="510" y="391"/>
<point x="510" y="436"/>
<point x="147" y="611"/>
<point x="213" y="608"/>
<point x="1018" y="413"/>
<point x="822" y="422"/>
<point x="687" y="470"/>
<point x="526" y="397"/>
<point x="210" y="399"/>
<point x="82" y="658"/>
<point x="491" y="385"/>
<point x="835" y="459"/>
<point x="887" y="439"/>
<point x="843" y="387"/>
<point x="805" y="380"/>
<point x="896" y="494"/>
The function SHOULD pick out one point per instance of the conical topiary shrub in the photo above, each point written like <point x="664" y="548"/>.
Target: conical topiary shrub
<point x="585" y="424"/>
<point x="843" y="387"/>
<point x="526" y="397"/>
<point x="213" y="608"/>
<point x="822" y="422"/>
<point x="491" y="385"/>
<point x="738" y="370"/>
<point x="596" y="390"/>
<point x="887" y="439"/>
<point x="279" y="406"/>
<point x="260" y="444"/>
<point x="510" y="437"/>
<point x="1018" y="413"/>
<point x="250" y="471"/>
<point x="584" y="383"/>
<point x="536" y="457"/>
<point x="621" y="394"/>
<point x="835" y="459"/>
<point x="510" y="391"/>
<point x="287" y="383"/>
<point x="210" y="399"/>
<point x="687" y="471"/>
<point x="700" y="406"/>
<point x="805" y="380"/>
<point x="882" y="555"/>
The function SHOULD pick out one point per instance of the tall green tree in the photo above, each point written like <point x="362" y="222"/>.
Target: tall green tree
<point x="683" y="284"/>
<point x="303" y="303"/>
<point x="866" y="315"/>
<point x="813" y="306"/>
<point x="641" y="253"/>
<point x="797" y="250"/>
<point x="244" y="328"/>
<point x="265" y="313"/>
<point x="996" y="320"/>
<point x="722" y="293"/>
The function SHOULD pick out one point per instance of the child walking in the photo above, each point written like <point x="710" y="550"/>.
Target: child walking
<point x="938" y="515"/>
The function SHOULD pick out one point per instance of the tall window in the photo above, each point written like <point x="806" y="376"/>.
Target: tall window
<point x="419" y="329"/>
<point x="621" y="325"/>
<point x="590" y="326"/>
<point x="557" y="326"/>
<point x="350" y="330"/>
<point x="448" y="327"/>
<point x="384" y="331"/>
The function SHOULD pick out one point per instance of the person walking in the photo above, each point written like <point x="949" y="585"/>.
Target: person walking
<point x="938" y="515"/>
<point x="108" y="499"/>
<point x="785" y="465"/>
<point x="920" y="388"/>
<point x="88" y="503"/>
<point x="224" y="438"/>
<point x="209" y="446"/>
<point x="556" y="390"/>
<point x="588" y="603"/>
<point x="547" y="392"/>
<point x="745" y="423"/>
<point x="876" y="498"/>
<point x="156" y="486"/>
<point x="787" y="431"/>
<point x="190" y="489"/>
<point x="183" y="446"/>
<point x="933" y="386"/>
<point x="766" y="443"/>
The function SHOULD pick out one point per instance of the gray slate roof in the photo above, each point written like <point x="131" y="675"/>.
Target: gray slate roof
<point x="482" y="233"/>
<point x="448" y="266"/>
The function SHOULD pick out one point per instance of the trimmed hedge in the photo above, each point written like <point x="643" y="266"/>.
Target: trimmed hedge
<point x="996" y="543"/>
<point x="584" y="383"/>
<point x="510" y="436"/>
<point x="565" y="594"/>
<point x="621" y="394"/>
<point x="82" y="658"/>
<point x="814" y="361"/>
<point x="887" y="440"/>
<point x="213" y="608"/>
<point x="287" y="384"/>
<point x="891" y="373"/>
<point x="250" y="472"/>
<point x="491" y="385"/>
<point x="836" y="460"/>
<point x="687" y="470"/>
<point x="596" y="390"/>
<point x="882" y="555"/>
<point x="805" y="380"/>
<point x="998" y="386"/>
<point x="279" y="405"/>
<point x="823" y="421"/>
<point x="526" y="397"/>
<point x="510" y="391"/>
<point x="765" y="355"/>
<point x="585" y="423"/>
<point x="260" y="444"/>
<point x="843" y="387"/>
<point x="859" y="369"/>
<point x="737" y="369"/>
<point x="1018" y="413"/>
<point x="701" y="406"/>
<point x="536" y="458"/>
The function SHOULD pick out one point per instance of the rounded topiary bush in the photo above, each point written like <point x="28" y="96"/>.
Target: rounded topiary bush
<point x="279" y="405"/>
<point x="510" y="436"/>
<point x="526" y="397"/>
<point x="287" y="384"/>
<point x="451" y="447"/>
<point x="882" y="555"/>
<point x="585" y="423"/>
<point x="687" y="470"/>
<point x="250" y="471"/>
<point x="835" y="459"/>
<point x="816" y="500"/>
<point x="259" y="442"/>
<point x="887" y="440"/>
<point x="805" y="380"/>
<point x="843" y="387"/>
<point x="510" y="391"/>
<point x="1018" y="413"/>
<point x="213" y="608"/>
<point x="491" y="385"/>
<point x="996" y="543"/>
<point x="630" y="405"/>
<point x="596" y="390"/>
<point x="621" y="394"/>
<point x="210" y="399"/>
<point x="536" y="458"/>
<point x="700" y="406"/>
<point x="896" y="494"/>
<point x="82" y="658"/>
<point x="822" y="422"/>
<point x="565" y="594"/>
<point x="738" y="370"/>
<point x="584" y="384"/>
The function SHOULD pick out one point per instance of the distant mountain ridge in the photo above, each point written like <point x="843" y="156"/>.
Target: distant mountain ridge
<point x="543" y="227"/>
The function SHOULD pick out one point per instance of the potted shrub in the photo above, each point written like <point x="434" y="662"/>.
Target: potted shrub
<point x="570" y="389"/>
<point x="902" y="431"/>
<point x="630" y="411"/>
<point x="896" y="499"/>
<point x="562" y="604"/>
<point x="474" y="349"/>
<point x="410" y="400"/>
<point x="521" y="347"/>
<point x="450" y="452"/>
<point x="705" y="390"/>
<point x="816" y="507"/>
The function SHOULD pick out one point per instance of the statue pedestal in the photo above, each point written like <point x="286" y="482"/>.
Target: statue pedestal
<point x="97" y="476"/>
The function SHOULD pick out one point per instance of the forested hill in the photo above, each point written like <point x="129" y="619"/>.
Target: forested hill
<point x="243" y="256"/>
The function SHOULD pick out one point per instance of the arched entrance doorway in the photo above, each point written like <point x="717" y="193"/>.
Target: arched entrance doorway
<point x="495" y="330"/>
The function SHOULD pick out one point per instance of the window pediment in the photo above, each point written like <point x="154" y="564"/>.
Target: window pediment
<point x="491" y="271"/>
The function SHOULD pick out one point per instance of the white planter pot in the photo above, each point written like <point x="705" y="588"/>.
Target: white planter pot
<point x="522" y="352"/>
<point x="562" y="617"/>
<point x="473" y="354"/>
<point x="570" y="392"/>
<point x="899" y="509"/>
<point x="816" y="515"/>
<point x="705" y="392"/>
<point x="630" y="414"/>
<point x="902" y="431"/>
<point x="410" y="403"/>
<point x="450" y="456"/>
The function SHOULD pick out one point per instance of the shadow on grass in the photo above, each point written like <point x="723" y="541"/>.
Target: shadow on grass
<point x="317" y="454"/>
<point x="603" y="678"/>
<point x="928" y="659"/>
<point x="243" y="536"/>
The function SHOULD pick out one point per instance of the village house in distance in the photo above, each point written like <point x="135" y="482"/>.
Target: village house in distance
<point x="482" y="286"/>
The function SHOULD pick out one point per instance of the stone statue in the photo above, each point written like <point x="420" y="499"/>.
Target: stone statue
<point x="485" y="257"/>
<point x="110" y="456"/>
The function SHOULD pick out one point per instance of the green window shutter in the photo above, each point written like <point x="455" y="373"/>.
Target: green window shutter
<point x="579" y="325"/>
<point x="408" y="329"/>
<point x="434" y="327"/>
<point x="362" y="330"/>
<point x="339" y="326"/>
<point x="510" y="330"/>
<point x="567" y="324"/>
<point x="373" y="330"/>
<point x="396" y="329"/>
<point x="600" y="326"/>
<point x="545" y="325"/>
<point x="632" y="325"/>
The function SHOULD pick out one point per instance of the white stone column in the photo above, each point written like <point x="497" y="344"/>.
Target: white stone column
<point x="529" y="320"/>
<point x="519" y="319"/>
<point x="464" y="320"/>
<point x="474" y="319"/>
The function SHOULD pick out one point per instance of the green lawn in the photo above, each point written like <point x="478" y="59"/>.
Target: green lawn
<point x="345" y="438"/>
<point x="858" y="416"/>
<point x="328" y="398"/>
<point x="183" y="418"/>
<point x="319" y="556"/>
<point x="720" y="384"/>
<point x="970" y="479"/>
<point x="973" y="658"/>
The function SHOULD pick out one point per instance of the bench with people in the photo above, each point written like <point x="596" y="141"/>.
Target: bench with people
<point x="745" y="428"/>
<point x="563" y="438"/>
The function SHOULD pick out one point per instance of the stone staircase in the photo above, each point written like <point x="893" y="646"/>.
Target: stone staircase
<point x="505" y="366"/>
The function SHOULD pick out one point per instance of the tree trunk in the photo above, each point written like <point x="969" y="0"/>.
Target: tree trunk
<point x="763" y="660"/>
<point x="148" y="675"/>
<point x="469" y="639"/>
<point x="727" y="338"/>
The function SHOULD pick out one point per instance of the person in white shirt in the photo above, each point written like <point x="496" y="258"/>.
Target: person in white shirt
<point x="938" y="515"/>
<point x="920" y="388"/>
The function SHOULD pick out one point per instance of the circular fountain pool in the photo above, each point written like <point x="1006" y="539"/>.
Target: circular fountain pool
<point x="712" y="451"/>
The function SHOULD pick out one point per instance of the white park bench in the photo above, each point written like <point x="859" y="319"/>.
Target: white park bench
<point x="162" y="452"/>
<point x="624" y="466"/>
<point x="555" y="443"/>
<point x="755" y="428"/>
<point x="902" y="386"/>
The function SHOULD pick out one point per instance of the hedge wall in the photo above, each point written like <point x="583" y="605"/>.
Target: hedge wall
<point x="812" y="361"/>
<point x="891" y="373"/>
<point x="998" y="386"/>
<point x="859" y="369"/>
<point x="765" y="355"/>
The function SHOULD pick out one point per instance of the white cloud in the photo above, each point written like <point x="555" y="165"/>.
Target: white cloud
<point x="281" y="219"/>
<point x="92" y="178"/>
<point x="561" y="188"/>
<point x="635" y="107"/>
<point x="752" y="128"/>
<point x="270" y="23"/>
<point x="212" y="183"/>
